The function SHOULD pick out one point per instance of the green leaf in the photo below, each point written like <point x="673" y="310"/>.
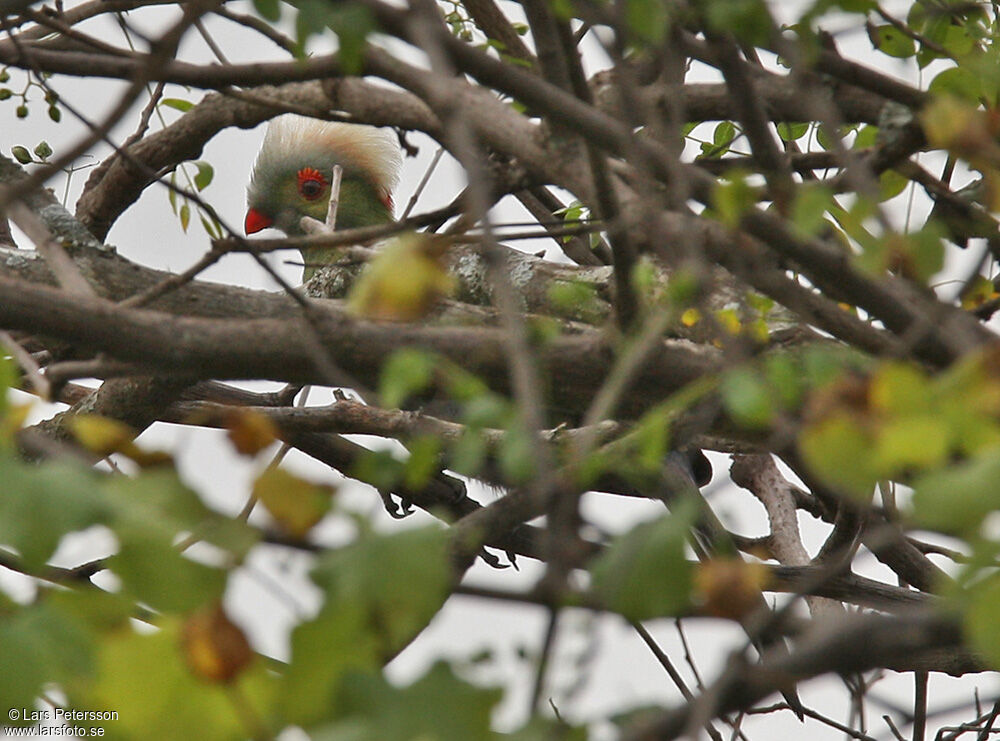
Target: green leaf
<point x="790" y="132"/>
<point x="984" y="67"/>
<point x="724" y="133"/>
<point x="157" y="504"/>
<point x="959" y="82"/>
<point x="651" y="438"/>
<point x="158" y="507"/>
<point x="98" y="610"/>
<point x="825" y="138"/>
<point x="957" y="499"/>
<point x="913" y="441"/>
<point x="380" y="592"/>
<point x="171" y="193"/>
<point x="9" y="375"/>
<point x="338" y="642"/>
<point x="958" y="40"/>
<point x="468" y="454"/>
<point x="22" y="155"/>
<point x="43" y="150"/>
<point x="747" y="397"/>
<point x="981" y="618"/>
<point x="352" y="22"/>
<point x="823" y="365"/>
<point x="848" y="6"/>
<point x="407" y="372"/>
<point x="917" y="256"/>
<point x="144" y="678"/>
<point x="749" y="20"/>
<point x="890" y="40"/>
<point x="378" y="711"/>
<point x="211" y="228"/>
<point x="867" y="136"/>
<point x="899" y="388"/>
<point x="269" y="10"/>
<point x="48" y="646"/>
<point x="159" y="575"/>
<point x="185" y="216"/>
<point x="178" y="104"/>
<point x="545" y="729"/>
<point x="312" y="18"/>
<point x="809" y="208"/>
<point x="647" y="20"/>
<point x="464" y="386"/>
<point x="786" y="378"/>
<point x="838" y="450"/>
<point x="40" y="504"/>
<point x="424" y="461"/>
<point x="401" y="580"/>
<point x="379" y="468"/>
<point x="516" y="454"/>
<point x="576" y="300"/>
<point x="644" y="573"/>
<point x="204" y="175"/>
<point x="486" y="409"/>
<point x="891" y="184"/>
<point x="732" y="197"/>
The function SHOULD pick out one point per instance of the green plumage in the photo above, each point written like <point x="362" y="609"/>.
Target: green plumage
<point x="294" y="145"/>
<point x="275" y="192"/>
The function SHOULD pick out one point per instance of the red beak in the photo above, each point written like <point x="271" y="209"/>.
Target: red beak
<point x="256" y="221"/>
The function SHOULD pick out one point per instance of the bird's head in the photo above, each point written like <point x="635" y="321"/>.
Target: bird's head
<point x="291" y="177"/>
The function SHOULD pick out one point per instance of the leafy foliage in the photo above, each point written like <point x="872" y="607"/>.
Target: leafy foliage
<point x="762" y="266"/>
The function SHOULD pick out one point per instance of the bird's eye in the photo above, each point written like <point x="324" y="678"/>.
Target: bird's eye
<point x="311" y="189"/>
<point x="311" y="183"/>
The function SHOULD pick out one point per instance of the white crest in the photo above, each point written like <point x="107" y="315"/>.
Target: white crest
<point x="373" y="150"/>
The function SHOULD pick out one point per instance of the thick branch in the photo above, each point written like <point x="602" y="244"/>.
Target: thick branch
<point x="277" y="349"/>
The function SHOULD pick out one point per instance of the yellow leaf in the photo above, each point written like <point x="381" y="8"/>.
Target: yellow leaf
<point x="100" y="435"/>
<point x="405" y="281"/>
<point x="690" y="317"/>
<point x="952" y="124"/>
<point x="13" y="419"/>
<point x="729" y="320"/>
<point x="839" y="449"/>
<point x="214" y="647"/>
<point x="730" y="587"/>
<point x="899" y="388"/>
<point x="963" y="130"/>
<point x="294" y="503"/>
<point x="147" y="458"/>
<point x="250" y="432"/>
<point x="980" y="291"/>
<point x="103" y="436"/>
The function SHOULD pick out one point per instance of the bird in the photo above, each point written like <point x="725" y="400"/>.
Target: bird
<point x="293" y="170"/>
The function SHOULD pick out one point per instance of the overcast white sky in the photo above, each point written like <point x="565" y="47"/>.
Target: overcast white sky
<point x="273" y="593"/>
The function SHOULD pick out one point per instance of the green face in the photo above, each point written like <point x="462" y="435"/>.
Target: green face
<point x="303" y="189"/>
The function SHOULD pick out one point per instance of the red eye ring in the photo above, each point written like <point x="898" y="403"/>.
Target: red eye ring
<point x="311" y="183"/>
